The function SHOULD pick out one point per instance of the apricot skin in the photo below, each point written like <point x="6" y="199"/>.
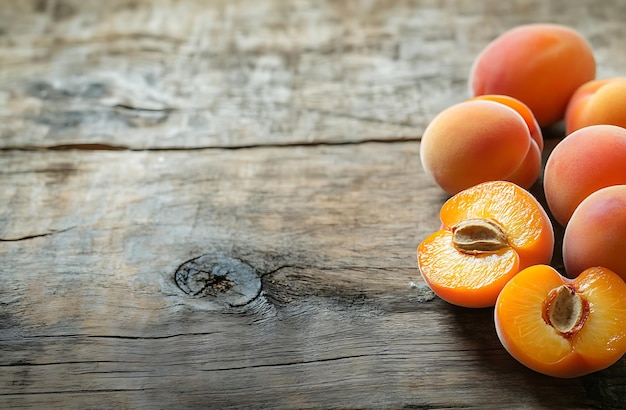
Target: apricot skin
<point x="597" y="102"/>
<point x="595" y="236"/>
<point x="526" y="175"/>
<point x="586" y="160"/>
<point x="541" y="65"/>
<point x="472" y="142"/>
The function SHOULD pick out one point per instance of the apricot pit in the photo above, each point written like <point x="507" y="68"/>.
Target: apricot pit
<point x="478" y="235"/>
<point x="566" y="310"/>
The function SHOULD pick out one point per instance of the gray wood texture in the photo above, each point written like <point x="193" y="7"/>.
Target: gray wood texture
<point x="216" y="204"/>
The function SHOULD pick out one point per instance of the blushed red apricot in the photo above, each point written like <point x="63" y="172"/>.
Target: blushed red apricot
<point x="477" y="141"/>
<point x="586" y="160"/>
<point x="597" y="102"/>
<point x="541" y="65"/>
<point x="596" y="233"/>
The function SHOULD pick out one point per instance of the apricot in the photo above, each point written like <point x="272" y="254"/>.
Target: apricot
<point x="541" y="65"/>
<point x="482" y="140"/>
<point x="596" y="233"/>
<point x="597" y="102"/>
<point x="563" y="327"/>
<point x="522" y="109"/>
<point x="586" y="160"/>
<point x="488" y="233"/>
<point x="527" y="173"/>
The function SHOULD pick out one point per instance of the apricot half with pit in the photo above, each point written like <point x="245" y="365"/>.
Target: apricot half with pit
<point x="563" y="327"/>
<point x="488" y="233"/>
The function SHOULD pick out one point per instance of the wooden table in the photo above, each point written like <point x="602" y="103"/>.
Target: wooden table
<point x="216" y="204"/>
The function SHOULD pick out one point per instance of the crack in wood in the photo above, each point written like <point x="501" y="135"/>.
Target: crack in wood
<point x="83" y="391"/>
<point x="294" y="144"/>
<point x="69" y="362"/>
<point x="299" y="362"/>
<point x="128" y="107"/>
<point x="34" y="236"/>
<point x="125" y="337"/>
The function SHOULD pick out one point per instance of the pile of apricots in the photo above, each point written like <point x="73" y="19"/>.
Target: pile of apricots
<point x="496" y="240"/>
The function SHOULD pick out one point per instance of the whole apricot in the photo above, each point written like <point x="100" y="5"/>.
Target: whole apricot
<point x="595" y="235"/>
<point x="477" y="141"/>
<point x="525" y="175"/>
<point x="522" y="109"/>
<point x="541" y="65"/>
<point x="586" y="160"/>
<point x="597" y="102"/>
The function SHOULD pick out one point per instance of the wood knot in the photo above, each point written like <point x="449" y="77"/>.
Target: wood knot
<point x="226" y="280"/>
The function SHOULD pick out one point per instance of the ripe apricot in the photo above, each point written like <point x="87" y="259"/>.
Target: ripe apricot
<point x="528" y="172"/>
<point x="488" y="233"/>
<point x="541" y="65"/>
<point x="595" y="235"/>
<point x="586" y="160"/>
<point x="597" y="102"/>
<point x="563" y="327"/>
<point x="482" y="140"/>
<point x="522" y="109"/>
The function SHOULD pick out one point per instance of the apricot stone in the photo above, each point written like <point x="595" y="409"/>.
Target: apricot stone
<point x="541" y="65"/>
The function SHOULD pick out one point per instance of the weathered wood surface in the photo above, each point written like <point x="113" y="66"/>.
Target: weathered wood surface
<point x="150" y="148"/>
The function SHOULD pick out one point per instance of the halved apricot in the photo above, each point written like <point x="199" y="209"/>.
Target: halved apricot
<point x="489" y="232"/>
<point x="563" y="327"/>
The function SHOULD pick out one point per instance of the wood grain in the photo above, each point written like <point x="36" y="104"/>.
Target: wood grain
<point x="93" y="315"/>
<point x="216" y="204"/>
<point x="163" y="74"/>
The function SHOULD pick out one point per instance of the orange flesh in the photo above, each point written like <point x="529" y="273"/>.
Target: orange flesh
<point x="475" y="279"/>
<point x="524" y="220"/>
<point x="461" y="278"/>
<point x="597" y="343"/>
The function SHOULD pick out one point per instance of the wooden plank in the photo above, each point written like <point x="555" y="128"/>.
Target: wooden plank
<point x="210" y="204"/>
<point x="93" y="315"/>
<point x="221" y="73"/>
